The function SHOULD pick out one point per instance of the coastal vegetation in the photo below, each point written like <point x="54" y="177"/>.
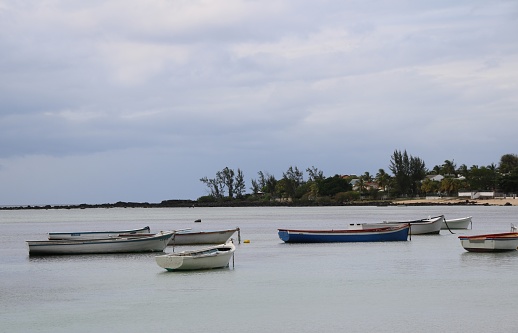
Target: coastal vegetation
<point x="408" y="178"/>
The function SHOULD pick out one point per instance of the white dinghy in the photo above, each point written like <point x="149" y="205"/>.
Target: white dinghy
<point x="207" y="258"/>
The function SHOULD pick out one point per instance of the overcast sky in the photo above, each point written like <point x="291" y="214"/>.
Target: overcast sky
<point x="106" y="101"/>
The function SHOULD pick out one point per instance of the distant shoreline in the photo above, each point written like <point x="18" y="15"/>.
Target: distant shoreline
<point x="194" y="204"/>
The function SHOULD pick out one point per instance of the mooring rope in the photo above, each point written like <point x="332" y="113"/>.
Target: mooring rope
<point x="447" y="226"/>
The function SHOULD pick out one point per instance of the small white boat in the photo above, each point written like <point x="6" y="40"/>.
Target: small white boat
<point x="507" y="241"/>
<point x="94" y="234"/>
<point x="429" y="226"/>
<point x="460" y="223"/>
<point x="194" y="237"/>
<point x="155" y="243"/>
<point x="207" y="258"/>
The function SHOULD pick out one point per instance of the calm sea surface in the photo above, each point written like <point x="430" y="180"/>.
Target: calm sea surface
<point x="428" y="284"/>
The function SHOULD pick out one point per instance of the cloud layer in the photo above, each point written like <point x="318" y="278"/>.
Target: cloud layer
<point x="102" y="101"/>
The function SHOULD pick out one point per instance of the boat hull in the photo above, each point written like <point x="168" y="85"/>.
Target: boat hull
<point x="490" y="243"/>
<point x="209" y="258"/>
<point x="460" y="223"/>
<point x="430" y="226"/>
<point x="155" y="243"/>
<point x="188" y="237"/>
<point x="83" y="235"/>
<point x="381" y="234"/>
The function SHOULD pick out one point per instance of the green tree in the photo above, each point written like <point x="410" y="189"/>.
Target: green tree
<point x="228" y="179"/>
<point x="408" y="173"/>
<point x="313" y="191"/>
<point x="417" y="174"/>
<point x="509" y="182"/>
<point x="292" y="179"/>
<point x="481" y="178"/>
<point x="281" y="188"/>
<point x="367" y="176"/>
<point x="448" y="168"/>
<point x="463" y="170"/>
<point x="437" y="170"/>
<point x="430" y="186"/>
<point x="266" y="183"/>
<point x="214" y="186"/>
<point x="255" y="186"/>
<point x="449" y="185"/>
<point x="361" y="185"/>
<point x="333" y="185"/>
<point x="239" y="185"/>
<point x="314" y="174"/>
<point x="382" y="178"/>
<point x="508" y="163"/>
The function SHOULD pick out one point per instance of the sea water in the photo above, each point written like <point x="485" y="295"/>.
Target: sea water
<point x="427" y="284"/>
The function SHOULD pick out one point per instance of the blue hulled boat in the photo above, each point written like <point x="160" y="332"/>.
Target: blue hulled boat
<point x="355" y="233"/>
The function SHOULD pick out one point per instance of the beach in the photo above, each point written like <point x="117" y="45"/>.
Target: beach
<point x="508" y="201"/>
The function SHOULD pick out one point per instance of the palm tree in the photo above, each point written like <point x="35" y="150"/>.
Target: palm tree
<point x="382" y="178"/>
<point x="448" y="168"/>
<point x="367" y="176"/>
<point x="449" y="185"/>
<point x="361" y="185"/>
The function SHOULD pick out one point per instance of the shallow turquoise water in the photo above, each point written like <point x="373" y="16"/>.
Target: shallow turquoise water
<point x="428" y="284"/>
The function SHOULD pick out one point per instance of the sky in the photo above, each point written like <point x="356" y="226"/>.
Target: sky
<point x="107" y="101"/>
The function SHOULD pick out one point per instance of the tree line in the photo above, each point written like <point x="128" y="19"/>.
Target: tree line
<point x="409" y="178"/>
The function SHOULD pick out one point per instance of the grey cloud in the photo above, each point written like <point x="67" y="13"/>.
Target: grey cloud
<point x="254" y="85"/>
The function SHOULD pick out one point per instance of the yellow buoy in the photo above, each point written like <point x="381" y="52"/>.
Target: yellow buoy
<point x="246" y="241"/>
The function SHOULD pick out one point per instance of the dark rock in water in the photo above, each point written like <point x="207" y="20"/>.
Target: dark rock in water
<point x="198" y="220"/>
<point x="508" y="204"/>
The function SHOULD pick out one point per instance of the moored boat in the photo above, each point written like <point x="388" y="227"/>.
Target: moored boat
<point x="459" y="223"/>
<point x="355" y="233"/>
<point x="95" y="234"/>
<point x="154" y="243"/>
<point x="207" y="258"/>
<point x="195" y="237"/>
<point x="199" y="237"/>
<point x="507" y="241"/>
<point x="428" y="226"/>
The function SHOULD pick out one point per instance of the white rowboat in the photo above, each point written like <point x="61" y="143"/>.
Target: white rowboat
<point x="94" y="234"/>
<point x="193" y="237"/>
<point x="207" y="258"/>
<point x="429" y="226"/>
<point x="460" y="223"/>
<point x="154" y="243"/>
<point x="490" y="243"/>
